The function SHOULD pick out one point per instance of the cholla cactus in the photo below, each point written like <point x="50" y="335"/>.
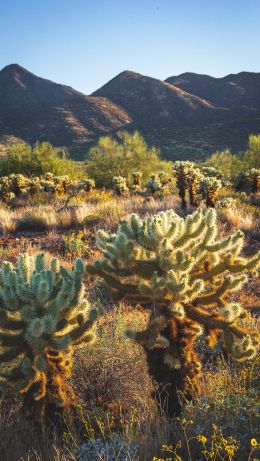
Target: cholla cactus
<point x="119" y="185"/>
<point x="20" y="184"/>
<point x="61" y="184"/>
<point x="209" y="188"/>
<point x="44" y="315"/>
<point x="187" y="179"/>
<point x="248" y="181"/>
<point x="35" y="185"/>
<point x="212" y="172"/>
<point x="137" y="176"/>
<point x="226" y="202"/>
<point x="178" y="269"/>
<point x="154" y="184"/>
<point x="88" y="184"/>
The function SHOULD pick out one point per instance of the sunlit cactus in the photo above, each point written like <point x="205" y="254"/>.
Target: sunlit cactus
<point x="35" y="185"/>
<point x="185" y="275"/>
<point x="154" y="184"/>
<point x="44" y="315"/>
<point x="61" y="184"/>
<point x="88" y="184"/>
<point x="137" y="177"/>
<point x="209" y="188"/>
<point x="187" y="178"/>
<point x="119" y="185"/>
<point x="213" y="172"/>
<point x="248" y="181"/>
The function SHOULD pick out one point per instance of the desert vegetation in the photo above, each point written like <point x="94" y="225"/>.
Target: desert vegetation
<point x="129" y="304"/>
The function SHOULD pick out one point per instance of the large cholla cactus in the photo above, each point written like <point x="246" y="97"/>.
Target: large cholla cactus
<point x="187" y="179"/>
<point x="209" y="187"/>
<point x="178" y="269"/>
<point x="43" y="316"/>
<point x="119" y="185"/>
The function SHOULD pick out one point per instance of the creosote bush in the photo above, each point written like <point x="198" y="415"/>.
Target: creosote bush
<point x="44" y="315"/>
<point x="177" y="268"/>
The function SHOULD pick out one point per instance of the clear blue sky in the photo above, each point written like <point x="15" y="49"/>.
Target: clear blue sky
<point x="85" y="43"/>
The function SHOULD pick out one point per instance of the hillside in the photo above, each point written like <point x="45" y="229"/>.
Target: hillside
<point x="187" y="116"/>
<point x="34" y="108"/>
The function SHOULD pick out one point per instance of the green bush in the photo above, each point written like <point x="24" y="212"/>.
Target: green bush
<point x="129" y="154"/>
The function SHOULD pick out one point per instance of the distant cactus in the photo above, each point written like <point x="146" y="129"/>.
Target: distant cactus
<point x="248" y="181"/>
<point x="226" y="203"/>
<point x="88" y="184"/>
<point x="212" y="172"/>
<point x="154" y="184"/>
<point x="137" y="177"/>
<point x="209" y="187"/>
<point x="119" y="185"/>
<point x="44" y="315"/>
<point x="187" y="179"/>
<point x="178" y="269"/>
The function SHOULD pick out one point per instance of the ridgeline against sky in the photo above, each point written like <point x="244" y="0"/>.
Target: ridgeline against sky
<point x="86" y="43"/>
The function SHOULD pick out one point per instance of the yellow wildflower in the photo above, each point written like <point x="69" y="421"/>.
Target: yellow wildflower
<point x="201" y="438"/>
<point x="254" y="443"/>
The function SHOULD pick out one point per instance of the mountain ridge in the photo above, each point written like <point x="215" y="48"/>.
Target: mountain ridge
<point x="186" y="116"/>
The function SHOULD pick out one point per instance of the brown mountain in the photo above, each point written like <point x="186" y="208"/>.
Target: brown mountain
<point x="35" y="109"/>
<point x="187" y="116"/>
<point x="235" y="90"/>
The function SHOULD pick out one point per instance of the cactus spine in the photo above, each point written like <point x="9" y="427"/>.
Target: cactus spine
<point x="44" y="315"/>
<point x="178" y="269"/>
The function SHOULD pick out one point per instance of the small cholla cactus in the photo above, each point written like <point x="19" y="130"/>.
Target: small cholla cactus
<point x="212" y="172"/>
<point x="154" y="184"/>
<point x="137" y="176"/>
<point x="209" y="187"/>
<point x="248" y="181"/>
<point x="88" y="184"/>
<point x="20" y="184"/>
<point x="227" y="202"/>
<point x="179" y="269"/>
<point x="187" y="179"/>
<point x="49" y="176"/>
<point x="61" y="184"/>
<point x="119" y="185"/>
<point x="35" y="185"/>
<point x="44" y="315"/>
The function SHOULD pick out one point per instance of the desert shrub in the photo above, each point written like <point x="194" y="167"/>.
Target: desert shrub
<point x="36" y="160"/>
<point x="44" y="317"/>
<point x="178" y="269"/>
<point x="111" y="157"/>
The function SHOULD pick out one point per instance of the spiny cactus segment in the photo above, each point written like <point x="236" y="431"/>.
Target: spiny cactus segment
<point x="180" y="270"/>
<point x="44" y="315"/>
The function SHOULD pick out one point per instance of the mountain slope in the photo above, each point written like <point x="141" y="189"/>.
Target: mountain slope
<point x="153" y="103"/>
<point x="188" y="116"/>
<point x="235" y="90"/>
<point x="35" y="109"/>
